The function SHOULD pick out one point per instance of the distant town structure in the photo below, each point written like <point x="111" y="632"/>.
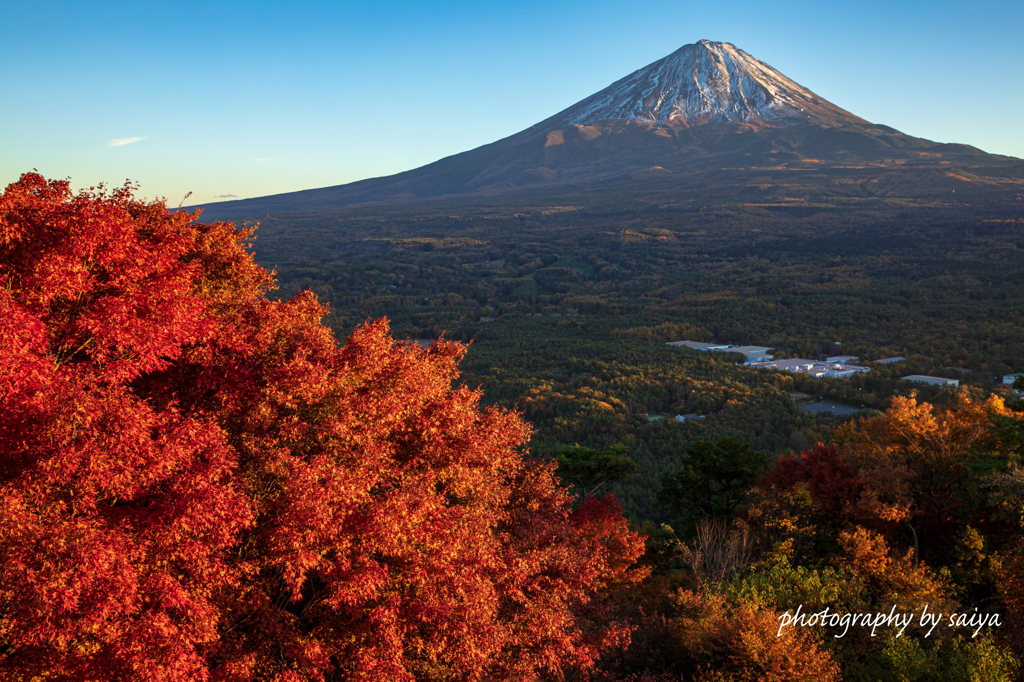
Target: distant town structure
<point x="1010" y="378"/>
<point x="752" y="353"/>
<point x="935" y="381"/>
<point x="814" y="368"/>
<point x="835" y="366"/>
<point x="843" y="359"/>
<point x="700" y="345"/>
<point x="841" y="366"/>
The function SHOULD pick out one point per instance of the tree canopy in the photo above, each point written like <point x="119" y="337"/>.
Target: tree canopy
<point x="589" y="470"/>
<point x="715" y="478"/>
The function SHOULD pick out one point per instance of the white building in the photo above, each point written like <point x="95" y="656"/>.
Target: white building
<point x="752" y="353"/>
<point x="699" y="345"/>
<point x="813" y="368"/>
<point x="843" y="359"/>
<point x="935" y="381"/>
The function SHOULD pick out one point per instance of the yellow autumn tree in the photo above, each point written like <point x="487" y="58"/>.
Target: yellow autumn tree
<point x="914" y="458"/>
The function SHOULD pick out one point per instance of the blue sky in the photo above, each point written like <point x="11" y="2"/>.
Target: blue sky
<point x="254" y="98"/>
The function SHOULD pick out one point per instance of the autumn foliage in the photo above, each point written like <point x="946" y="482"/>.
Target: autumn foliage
<point x="831" y="482"/>
<point x="738" y="643"/>
<point x="198" y="483"/>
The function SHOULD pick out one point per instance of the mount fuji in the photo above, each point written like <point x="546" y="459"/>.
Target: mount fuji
<point x="707" y="112"/>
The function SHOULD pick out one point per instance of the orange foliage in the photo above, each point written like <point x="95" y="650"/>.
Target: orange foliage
<point x="739" y="644"/>
<point x="891" y="579"/>
<point x="198" y="483"/>
<point x="913" y="458"/>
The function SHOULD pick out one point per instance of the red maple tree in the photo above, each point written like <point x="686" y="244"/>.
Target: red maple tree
<point x="197" y="482"/>
<point x="832" y="483"/>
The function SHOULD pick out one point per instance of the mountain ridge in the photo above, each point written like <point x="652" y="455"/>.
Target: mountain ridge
<point x="706" y="107"/>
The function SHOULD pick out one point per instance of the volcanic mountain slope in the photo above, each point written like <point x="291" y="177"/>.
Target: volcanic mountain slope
<point x="705" y="108"/>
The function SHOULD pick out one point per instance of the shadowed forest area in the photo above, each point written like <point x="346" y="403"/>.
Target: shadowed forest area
<point x="568" y="306"/>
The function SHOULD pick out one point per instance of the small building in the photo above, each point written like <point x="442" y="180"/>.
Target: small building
<point x="700" y="345"/>
<point x="753" y="353"/>
<point x="843" y="359"/>
<point x="751" y="359"/>
<point x="1010" y="378"/>
<point x="844" y="371"/>
<point x="750" y="350"/>
<point x="793" y="365"/>
<point x="687" y="417"/>
<point x="889" y="361"/>
<point x="935" y="381"/>
<point x="835" y="370"/>
<point x="813" y="368"/>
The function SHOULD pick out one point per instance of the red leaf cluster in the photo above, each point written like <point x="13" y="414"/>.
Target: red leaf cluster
<point x="198" y="483"/>
<point x="832" y="483"/>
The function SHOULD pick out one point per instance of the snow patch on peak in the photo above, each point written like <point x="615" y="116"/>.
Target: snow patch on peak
<point x="707" y="82"/>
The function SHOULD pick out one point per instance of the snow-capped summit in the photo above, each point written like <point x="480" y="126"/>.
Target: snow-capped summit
<point x="706" y="115"/>
<point x="706" y="82"/>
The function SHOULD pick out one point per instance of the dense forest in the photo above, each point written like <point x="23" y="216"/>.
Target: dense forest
<point x="881" y="276"/>
<point x="569" y="305"/>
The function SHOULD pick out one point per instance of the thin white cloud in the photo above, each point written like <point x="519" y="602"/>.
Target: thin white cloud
<point x="122" y="141"/>
<point x="226" y="196"/>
